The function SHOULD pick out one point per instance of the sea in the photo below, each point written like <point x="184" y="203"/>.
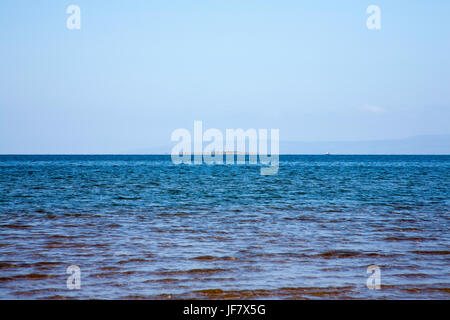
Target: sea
<point x="142" y="227"/>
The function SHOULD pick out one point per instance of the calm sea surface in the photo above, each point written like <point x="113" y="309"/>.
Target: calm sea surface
<point x="142" y="227"/>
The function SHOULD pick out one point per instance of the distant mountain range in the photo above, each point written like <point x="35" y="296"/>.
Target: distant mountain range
<point x="430" y="144"/>
<point x="426" y="144"/>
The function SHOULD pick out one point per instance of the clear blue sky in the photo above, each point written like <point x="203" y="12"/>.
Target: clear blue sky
<point x="137" y="70"/>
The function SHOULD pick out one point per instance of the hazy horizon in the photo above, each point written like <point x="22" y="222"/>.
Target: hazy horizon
<point x="417" y="145"/>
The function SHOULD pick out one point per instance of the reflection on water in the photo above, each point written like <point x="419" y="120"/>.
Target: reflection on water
<point x="141" y="227"/>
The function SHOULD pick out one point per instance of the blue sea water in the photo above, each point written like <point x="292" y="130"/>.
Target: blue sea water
<point x="143" y="227"/>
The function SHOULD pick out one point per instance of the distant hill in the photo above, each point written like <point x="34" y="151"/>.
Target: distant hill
<point x="430" y="144"/>
<point x="426" y="144"/>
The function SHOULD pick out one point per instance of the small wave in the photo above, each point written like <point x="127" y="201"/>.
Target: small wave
<point x="34" y="292"/>
<point x="412" y="275"/>
<point x="15" y="226"/>
<point x="109" y="268"/>
<point x="6" y="279"/>
<point x="438" y="253"/>
<point x="338" y="254"/>
<point x="60" y="236"/>
<point x="416" y="239"/>
<point x="132" y="261"/>
<point x="57" y="297"/>
<point x="165" y="280"/>
<point x="192" y="271"/>
<point x="127" y="198"/>
<point x="7" y="265"/>
<point x="285" y="293"/>
<point x="134" y="297"/>
<point x="33" y="276"/>
<point x="212" y="258"/>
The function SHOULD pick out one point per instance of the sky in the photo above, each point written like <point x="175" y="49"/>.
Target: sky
<point x="138" y="70"/>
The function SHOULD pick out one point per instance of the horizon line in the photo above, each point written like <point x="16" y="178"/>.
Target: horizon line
<point x="192" y="154"/>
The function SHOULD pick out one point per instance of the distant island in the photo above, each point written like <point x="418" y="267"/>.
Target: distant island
<point x="425" y="144"/>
